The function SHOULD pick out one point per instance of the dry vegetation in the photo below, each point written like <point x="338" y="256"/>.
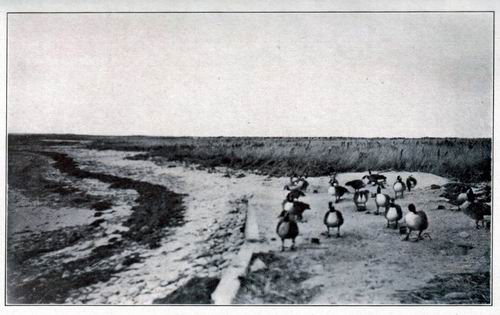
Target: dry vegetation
<point x="463" y="159"/>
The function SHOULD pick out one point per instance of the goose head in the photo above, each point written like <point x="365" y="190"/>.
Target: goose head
<point x="331" y="208"/>
<point x="470" y="195"/>
<point x="412" y="208"/>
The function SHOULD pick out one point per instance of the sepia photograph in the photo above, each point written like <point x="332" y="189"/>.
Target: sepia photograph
<point x="332" y="158"/>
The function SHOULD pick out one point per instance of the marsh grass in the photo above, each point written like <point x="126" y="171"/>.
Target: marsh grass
<point x="463" y="159"/>
<point x="459" y="158"/>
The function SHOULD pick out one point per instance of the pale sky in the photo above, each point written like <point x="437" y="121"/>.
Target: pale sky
<point x="359" y="75"/>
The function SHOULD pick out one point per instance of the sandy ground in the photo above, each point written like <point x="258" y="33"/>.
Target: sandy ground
<point x="368" y="264"/>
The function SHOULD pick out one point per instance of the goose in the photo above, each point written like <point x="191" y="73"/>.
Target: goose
<point x="356" y="184"/>
<point x="374" y="179"/>
<point x="475" y="210"/>
<point x="287" y="228"/>
<point x="295" y="194"/>
<point x="411" y="182"/>
<point x="416" y="221"/>
<point x="333" y="219"/>
<point x="302" y="181"/>
<point x="298" y="209"/>
<point x="381" y="200"/>
<point x="295" y="187"/>
<point x="393" y="213"/>
<point x="287" y="204"/>
<point x="399" y="187"/>
<point x="337" y="191"/>
<point x="466" y="194"/>
<point x="360" y="199"/>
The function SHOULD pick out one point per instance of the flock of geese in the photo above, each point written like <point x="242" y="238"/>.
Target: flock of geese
<point x="416" y="220"/>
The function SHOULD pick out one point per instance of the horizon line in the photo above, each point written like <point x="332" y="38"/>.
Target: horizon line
<point x="235" y="136"/>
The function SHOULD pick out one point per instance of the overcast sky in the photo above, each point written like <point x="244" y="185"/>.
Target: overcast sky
<point x="360" y="75"/>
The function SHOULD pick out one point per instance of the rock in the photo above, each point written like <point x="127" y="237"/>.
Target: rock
<point x="315" y="191"/>
<point x="241" y="175"/>
<point x="464" y="234"/>
<point x="441" y="207"/>
<point x="456" y="295"/>
<point x="257" y="265"/>
<point x="434" y="186"/>
<point x="315" y="240"/>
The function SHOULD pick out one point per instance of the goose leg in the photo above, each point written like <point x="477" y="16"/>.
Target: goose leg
<point x="328" y="231"/>
<point x="282" y="245"/>
<point x="396" y="225"/>
<point x="407" y="235"/>
<point x="387" y="223"/>
<point x="419" y="237"/>
<point x="293" y="245"/>
<point x="338" y="231"/>
<point x="477" y="224"/>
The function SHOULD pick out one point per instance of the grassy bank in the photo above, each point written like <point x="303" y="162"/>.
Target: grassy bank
<point x="463" y="159"/>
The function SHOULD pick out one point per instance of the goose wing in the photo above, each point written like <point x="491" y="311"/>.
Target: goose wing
<point x="425" y="221"/>
<point x="341" y="190"/>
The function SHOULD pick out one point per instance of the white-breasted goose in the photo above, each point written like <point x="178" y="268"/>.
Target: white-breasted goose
<point x="337" y="191"/>
<point x="474" y="209"/>
<point x="333" y="219"/>
<point x="287" y="204"/>
<point x="360" y="199"/>
<point x="399" y="187"/>
<point x="411" y="182"/>
<point x="416" y="221"/>
<point x="393" y="213"/>
<point x="466" y="194"/>
<point x="287" y="228"/>
<point x="381" y="200"/>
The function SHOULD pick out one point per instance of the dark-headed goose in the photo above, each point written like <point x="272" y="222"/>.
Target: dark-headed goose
<point x="287" y="229"/>
<point x="393" y="213"/>
<point x="474" y="209"/>
<point x="399" y="187"/>
<point x="360" y="199"/>
<point x="381" y="200"/>
<point x="416" y="221"/>
<point x="356" y="184"/>
<point x="411" y="182"/>
<point x="333" y="219"/>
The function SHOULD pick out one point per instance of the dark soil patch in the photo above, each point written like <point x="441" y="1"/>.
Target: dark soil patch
<point x="196" y="291"/>
<point x="102" y="205"/>
<point x="461" y="288"/>
<point x="44" y="281"/>
<point x="279" y="283"/>
<point x="157" y="207"/>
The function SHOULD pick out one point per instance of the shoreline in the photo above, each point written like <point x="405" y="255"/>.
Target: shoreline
<point x="145" y="226"/>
